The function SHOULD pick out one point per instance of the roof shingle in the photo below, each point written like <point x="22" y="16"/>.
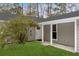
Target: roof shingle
<point x="67" y="15"/>
<point x="6" y="16"/>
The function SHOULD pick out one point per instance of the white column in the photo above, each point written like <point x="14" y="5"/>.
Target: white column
<point x="75" y="35"/>
<point x="51" y="34"/>
<point x="42" y="33"/>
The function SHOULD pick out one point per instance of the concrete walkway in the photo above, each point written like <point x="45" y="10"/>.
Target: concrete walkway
<point x="68" y="48"/>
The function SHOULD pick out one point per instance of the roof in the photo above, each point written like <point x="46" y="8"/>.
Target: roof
<point x="67" y="15"/>
<point x="6" y="16"/>
<point x="37" y="19"/>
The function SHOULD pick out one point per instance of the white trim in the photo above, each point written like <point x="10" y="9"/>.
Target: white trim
<point x="65" y="20"/>
<point x="51" y="34"/>
<point x="42" y="34"/>
<point x="75" y="35"/>
<point x="57" y="31"/>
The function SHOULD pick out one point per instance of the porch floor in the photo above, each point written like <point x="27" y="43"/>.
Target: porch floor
<point x="68" y="48"/>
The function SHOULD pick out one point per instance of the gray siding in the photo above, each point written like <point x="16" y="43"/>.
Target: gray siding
<point x="31" y="33"/>
<point x="38" y="34"/>
<point x="66" y="34"/>
<point x="78" y="36"/>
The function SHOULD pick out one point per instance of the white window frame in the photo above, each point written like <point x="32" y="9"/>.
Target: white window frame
<point x="56" y="31"/>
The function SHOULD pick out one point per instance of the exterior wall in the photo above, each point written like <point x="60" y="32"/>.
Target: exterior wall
<point x="46" y="33"/>
<point x="38" y="34"/>
<point x="66" y="34"/>
<point x="77" y="36"/>
<point x="31" y="33"/>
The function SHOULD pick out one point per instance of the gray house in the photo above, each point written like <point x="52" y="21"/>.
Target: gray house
<point x="61" y="31"/>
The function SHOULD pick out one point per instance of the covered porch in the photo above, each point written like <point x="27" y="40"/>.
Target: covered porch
<point x="60" y="33"/>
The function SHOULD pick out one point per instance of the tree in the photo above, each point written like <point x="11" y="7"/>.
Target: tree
<point x="30" y="9"/>
<point x="49" y="9"/>
<point x="60" y="8"/>
<point x="15" y="31"/>
<point x="71" y="7"/>
<point x="37" y="9"/>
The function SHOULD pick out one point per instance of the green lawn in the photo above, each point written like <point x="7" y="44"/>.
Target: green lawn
<point x="34" y="49"/>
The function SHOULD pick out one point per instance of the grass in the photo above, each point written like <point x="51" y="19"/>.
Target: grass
<point x="34" y="49"/>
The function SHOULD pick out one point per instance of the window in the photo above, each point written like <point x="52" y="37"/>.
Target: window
<point x="54" y="27"/>
<point x="38" y="28"/>
<point x="54" y="31"/>
<point x="54" y="35"/>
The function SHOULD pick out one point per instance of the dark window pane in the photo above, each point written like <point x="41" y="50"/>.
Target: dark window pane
<point x="54" y="35"/>
<point x="38" y="28"/>
<point x="54" y="27"/>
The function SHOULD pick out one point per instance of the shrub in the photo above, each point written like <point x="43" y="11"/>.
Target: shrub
<point x="15" y="30"/>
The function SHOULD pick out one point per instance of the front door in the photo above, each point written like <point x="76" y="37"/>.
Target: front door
<point x="46" y="33"/>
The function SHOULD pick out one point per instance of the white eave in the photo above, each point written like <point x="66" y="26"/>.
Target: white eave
<point x="65" y="20"/>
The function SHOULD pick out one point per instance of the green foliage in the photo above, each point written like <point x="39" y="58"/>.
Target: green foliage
<point x="15" y="30"/>
<point x="17" y="10"/>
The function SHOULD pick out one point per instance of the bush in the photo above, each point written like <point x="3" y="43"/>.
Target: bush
<point x="15" y="30"/>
